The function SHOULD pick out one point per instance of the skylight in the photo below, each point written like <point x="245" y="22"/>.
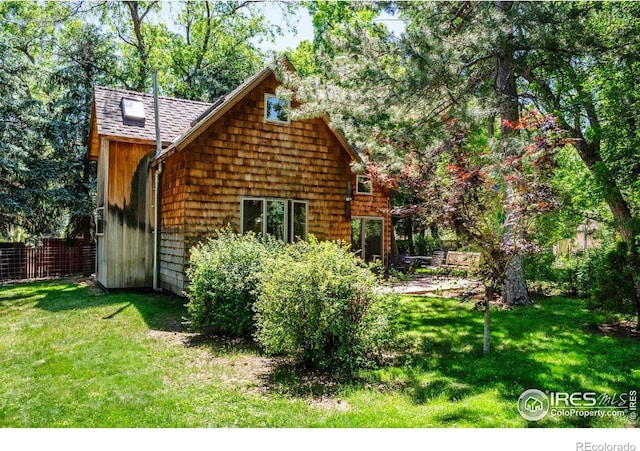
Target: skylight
<point x="132" y="111"/>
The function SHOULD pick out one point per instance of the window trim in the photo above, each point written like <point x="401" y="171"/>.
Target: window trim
<point x="358" y="177"/>
<point x="288" y="218"/>
<point x="276" y="121"/>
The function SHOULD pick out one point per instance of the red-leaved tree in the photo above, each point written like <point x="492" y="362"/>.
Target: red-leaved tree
<point x="469" y="187"/>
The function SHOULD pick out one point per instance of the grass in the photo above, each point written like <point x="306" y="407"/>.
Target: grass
<point x="71" y="356"/>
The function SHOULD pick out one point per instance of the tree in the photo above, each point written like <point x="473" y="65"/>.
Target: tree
<point x="139" y="39"/>
<point x="213" y="51"/>
<point x="59" y="60"/>
<point x="82" y="53"/>
<point x="29" y="187"/>
<point x="488" y="60"/>
<point x="482" y="187"/>
<point x="395" y="89"/>
<point x="592" y="87"/>
<point x="19" y="181"/>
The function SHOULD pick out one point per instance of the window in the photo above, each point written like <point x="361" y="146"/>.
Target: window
<point x="299" y="220"/>
<point x="276" y="109"/>
<point x="367" y="238"/>
<point x="252" y="216"/>
<point x="363" y="184"/>
<point x="283" y="219"/>
<point x="100" y="221"/>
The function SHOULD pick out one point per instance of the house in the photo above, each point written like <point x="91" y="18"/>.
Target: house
<point x="240" y="161"/>
<point x="587" y="236"/>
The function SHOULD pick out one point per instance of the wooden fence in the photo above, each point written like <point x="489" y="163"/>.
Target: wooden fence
<point x="52" y="257"/>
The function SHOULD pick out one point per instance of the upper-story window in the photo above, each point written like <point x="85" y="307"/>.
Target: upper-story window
<point x="276" y="109"/>
<point x="363" y="185"/>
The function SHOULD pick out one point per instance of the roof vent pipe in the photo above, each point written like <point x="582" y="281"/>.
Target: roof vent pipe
<point x="156" y="191"/>
<point x="156" y="114"/>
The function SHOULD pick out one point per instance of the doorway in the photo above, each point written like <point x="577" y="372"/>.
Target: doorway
<point x="367" y="238"/>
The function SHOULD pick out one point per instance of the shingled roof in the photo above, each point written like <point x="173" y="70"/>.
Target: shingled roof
<point x="176" y="115"/>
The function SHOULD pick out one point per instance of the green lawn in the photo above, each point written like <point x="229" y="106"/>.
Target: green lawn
<point x="71" y="356"/>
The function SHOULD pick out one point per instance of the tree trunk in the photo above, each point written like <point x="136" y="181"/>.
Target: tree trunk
<point x="394" y="243"/>
<point x="590" y="155"/>
<point x="408" y="230"/>
<point x="486" y="344"/>
<point x="515" y="289"/>
<point x="435" y="233"/>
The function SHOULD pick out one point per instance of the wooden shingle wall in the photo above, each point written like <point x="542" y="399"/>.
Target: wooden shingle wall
<point x="241" y="155"/>
<point x="173" y="250"/>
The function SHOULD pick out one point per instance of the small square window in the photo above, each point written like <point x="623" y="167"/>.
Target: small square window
<point x="276" y="109"/>
<point x="363" y="185"/>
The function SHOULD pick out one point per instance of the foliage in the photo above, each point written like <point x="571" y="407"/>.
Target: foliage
<point x="317" y="302"/>
<point x="577" y="273"/>
<point x="58" y="59"/>
<point x="482" y="60"/>
<point x="539" y="267"/>
<point x="224" y="274"/>
<point x="613" y="284"/>
<point x="52" y="54"/>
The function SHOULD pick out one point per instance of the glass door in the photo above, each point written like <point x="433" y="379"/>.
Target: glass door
<point x="367" y="238"/>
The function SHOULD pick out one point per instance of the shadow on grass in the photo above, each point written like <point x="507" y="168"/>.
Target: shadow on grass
<point x="544" y="346"/>
<point x="280" y="374"/>
<point x="160" y="311"/>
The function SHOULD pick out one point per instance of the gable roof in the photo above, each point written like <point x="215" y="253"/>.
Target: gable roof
<point x="181" y="121"/>
<point x="176" y="115"/>
<point x="225" y="103"/>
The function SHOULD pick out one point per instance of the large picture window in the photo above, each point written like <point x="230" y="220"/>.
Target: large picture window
<point x="284" y="219"/>
<point x="276" y="109"/>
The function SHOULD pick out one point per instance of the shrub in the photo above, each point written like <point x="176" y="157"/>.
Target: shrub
<point x="578" y="272"/>
<point x="572" y="275"/>
<point x="539" y="267"/>
<point x="223" y="274"/>
<point x="613" y="285"/>
<point x="317" y="303"/>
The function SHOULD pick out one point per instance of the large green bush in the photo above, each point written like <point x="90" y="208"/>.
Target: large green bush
<point x="579" y="271"/>
<point x="223" y="276"/>
<point x="317" y="303"/>
<point x="571" y="275"/>
<point x="613" y="285"/>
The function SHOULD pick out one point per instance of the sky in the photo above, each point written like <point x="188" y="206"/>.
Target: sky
<point x="304" y="27"/>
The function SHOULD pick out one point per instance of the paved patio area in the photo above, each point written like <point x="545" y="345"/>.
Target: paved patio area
<point x="428" y="284"/>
